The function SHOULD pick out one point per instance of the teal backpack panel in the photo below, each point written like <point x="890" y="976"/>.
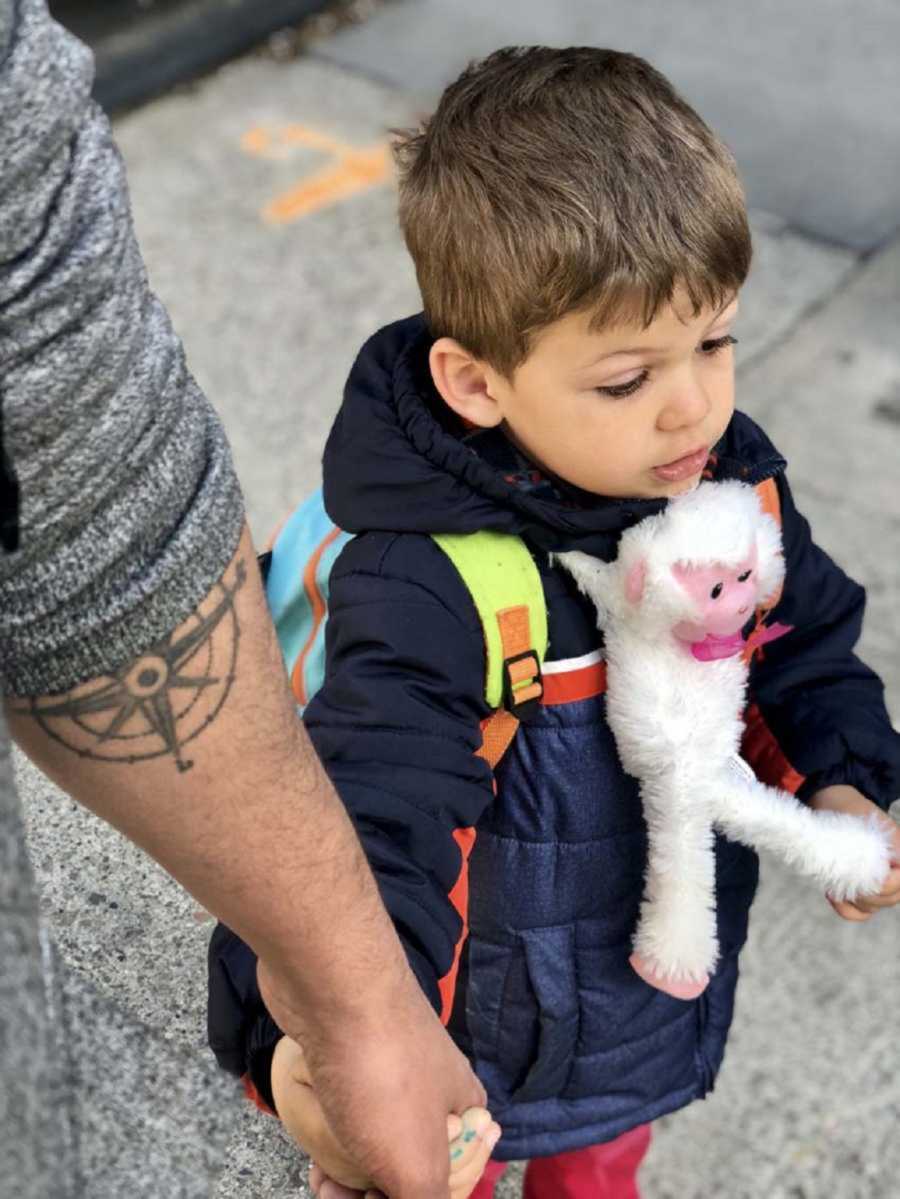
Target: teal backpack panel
<point x="497" y="569"/>
<point x="304" y="552"/>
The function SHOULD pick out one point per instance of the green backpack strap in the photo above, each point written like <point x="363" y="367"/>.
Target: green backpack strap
<point x="505" y="585"/>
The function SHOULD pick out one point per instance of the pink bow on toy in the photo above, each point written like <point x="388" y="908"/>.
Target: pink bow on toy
<point x="713" y="647"/>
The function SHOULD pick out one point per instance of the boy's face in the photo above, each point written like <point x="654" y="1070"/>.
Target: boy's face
<point x="628" y="411"/>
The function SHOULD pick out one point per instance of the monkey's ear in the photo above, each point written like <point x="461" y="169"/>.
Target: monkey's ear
<point x="634" y="582"/>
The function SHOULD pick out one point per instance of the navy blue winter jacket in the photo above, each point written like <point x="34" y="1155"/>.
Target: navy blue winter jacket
<point x="571" y="1045"/>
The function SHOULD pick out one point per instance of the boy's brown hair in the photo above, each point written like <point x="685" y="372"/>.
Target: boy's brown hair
<point x="552" y="181"/>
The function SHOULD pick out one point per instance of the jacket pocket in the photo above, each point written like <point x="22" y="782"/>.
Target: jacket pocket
<point x="522" y="1012"/>
<point x="550" y="964"/>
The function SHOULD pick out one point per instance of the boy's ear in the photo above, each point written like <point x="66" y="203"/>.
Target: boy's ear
<point x="464" y="383"/>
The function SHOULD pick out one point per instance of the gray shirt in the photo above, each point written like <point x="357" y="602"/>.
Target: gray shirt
<point x="130" y="509"/>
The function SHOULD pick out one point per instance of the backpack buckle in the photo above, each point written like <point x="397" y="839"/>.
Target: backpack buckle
<point x="523" y="684"/>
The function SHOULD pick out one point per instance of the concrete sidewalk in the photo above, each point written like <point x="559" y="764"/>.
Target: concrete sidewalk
<point x="274" y="279"/>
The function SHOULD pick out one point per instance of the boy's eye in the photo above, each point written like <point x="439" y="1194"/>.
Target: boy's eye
<point x="745" y="576"/>
<point x="716" y="591"/>
<point x="719" y="343"/>
<point x="625" y="389"/>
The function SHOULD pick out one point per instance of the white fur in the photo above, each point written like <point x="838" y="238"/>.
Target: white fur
<point x="678" y="730"/>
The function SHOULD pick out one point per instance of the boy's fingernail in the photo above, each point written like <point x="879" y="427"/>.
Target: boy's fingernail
<point x="493" y="1137"/>
<point x="476" y="1125"/>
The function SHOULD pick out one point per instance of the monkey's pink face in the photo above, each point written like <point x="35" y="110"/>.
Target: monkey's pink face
<point x="724" y="598"/>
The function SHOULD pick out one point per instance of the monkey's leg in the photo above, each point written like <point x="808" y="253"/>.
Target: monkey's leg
<point x="675" y="946"/>
<point x="847" y="855"/>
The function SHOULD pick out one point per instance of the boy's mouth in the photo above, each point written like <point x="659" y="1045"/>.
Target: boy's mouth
<point x="682" y="468"/>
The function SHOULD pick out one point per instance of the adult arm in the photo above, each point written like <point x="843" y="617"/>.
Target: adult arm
<point x="242" y="815"/>
<point x="137" y="659"/>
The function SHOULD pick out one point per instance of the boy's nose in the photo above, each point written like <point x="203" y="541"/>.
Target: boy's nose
<point x="687" y="405"/>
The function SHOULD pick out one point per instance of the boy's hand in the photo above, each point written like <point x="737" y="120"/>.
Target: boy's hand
<point x="302" y="1116"/>
<point x="842" y="798"/>
<point x="333" y="1175"/>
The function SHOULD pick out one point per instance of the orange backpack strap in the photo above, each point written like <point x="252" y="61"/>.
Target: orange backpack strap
<point x="523" y="684"/>
<point x="497" y="733"/>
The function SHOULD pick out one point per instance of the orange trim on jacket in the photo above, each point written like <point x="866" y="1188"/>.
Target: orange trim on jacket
<point x="569" y="686"/>
<point x="254" y="1096"/>
<point x="459" y="897"/>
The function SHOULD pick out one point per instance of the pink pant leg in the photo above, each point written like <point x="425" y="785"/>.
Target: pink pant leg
<point x="598" y="1172"/>
<point x="485" y="1186"/>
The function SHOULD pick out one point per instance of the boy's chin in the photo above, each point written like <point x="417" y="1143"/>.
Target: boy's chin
<point x="662" y="489"/>
<point x="683" y="487"/>
<point x="658" y="490"/>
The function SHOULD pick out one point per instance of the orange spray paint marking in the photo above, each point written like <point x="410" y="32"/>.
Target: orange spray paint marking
<point x="356" y="172"/>
<point x="352" y="170"/>
<point x="256" y="141"/>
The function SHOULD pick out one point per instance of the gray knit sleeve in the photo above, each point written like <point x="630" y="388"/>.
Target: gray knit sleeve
<point x="130" y="509"/>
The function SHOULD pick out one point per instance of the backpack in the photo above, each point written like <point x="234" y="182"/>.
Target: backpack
<point x="497" y="570"/>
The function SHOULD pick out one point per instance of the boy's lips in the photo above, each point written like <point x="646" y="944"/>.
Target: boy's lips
<point x="682" y="468"/>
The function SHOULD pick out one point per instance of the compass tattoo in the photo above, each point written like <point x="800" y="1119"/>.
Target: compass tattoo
<point x="154" y="706"/>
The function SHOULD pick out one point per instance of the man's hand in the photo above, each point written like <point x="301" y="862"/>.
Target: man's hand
<point x="470" y="1138"/>
<point x="386" y="1082"/>
<point x="842" y="798"/>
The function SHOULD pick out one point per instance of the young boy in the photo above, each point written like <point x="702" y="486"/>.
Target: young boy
<point x="580" y="239"/>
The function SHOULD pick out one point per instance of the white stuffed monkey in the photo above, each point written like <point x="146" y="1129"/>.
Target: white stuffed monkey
<point x="671" y="608"/>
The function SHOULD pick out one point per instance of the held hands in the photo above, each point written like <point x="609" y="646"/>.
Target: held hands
<point x="385" y="1077"/>
<point x="333" y="1175"/>
<point x="842" y="798"/>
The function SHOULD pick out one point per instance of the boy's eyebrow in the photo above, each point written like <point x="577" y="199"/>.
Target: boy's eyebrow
<point x="621" y="353"/>
<point x="649" y="349"/>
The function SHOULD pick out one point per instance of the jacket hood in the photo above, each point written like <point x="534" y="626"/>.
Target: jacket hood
<point x="399" y="460"/>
